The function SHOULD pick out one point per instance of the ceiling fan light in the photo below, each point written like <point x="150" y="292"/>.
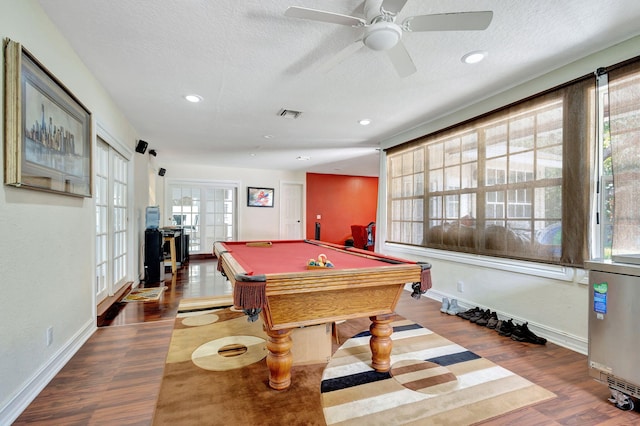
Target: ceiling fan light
<point x="382" y="35"/>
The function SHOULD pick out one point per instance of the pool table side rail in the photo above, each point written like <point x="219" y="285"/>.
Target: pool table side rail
<point x="297" y="282"/>
<point x="286" y="311"/>
<point x="314" y="297"/>
<point x="295" y="301"/>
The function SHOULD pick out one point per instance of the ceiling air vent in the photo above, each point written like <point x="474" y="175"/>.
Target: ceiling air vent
<point x="289" y="113"/>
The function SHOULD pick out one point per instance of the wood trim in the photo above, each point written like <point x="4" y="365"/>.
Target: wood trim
<point x="104" y="306"/>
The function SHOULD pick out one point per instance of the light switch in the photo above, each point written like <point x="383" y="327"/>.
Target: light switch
<point x="318" y="217"/>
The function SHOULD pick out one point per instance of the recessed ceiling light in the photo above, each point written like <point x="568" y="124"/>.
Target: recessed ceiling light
<point x="303" y="158"/>
<point x="364" y="122"/>
<point x="268" y="136"/>
<point x="193" y="98"/>
<point x="474" y="57"/>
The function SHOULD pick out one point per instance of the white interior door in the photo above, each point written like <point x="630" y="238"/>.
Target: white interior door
<point x="291" y="211"/>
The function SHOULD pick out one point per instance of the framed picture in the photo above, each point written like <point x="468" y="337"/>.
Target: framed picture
<point x="47" y="130"/>
<point x="259" y="197"/>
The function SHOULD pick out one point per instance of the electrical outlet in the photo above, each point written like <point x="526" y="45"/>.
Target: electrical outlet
<point x="461" y="286"/>
<point x="49" y="336"/>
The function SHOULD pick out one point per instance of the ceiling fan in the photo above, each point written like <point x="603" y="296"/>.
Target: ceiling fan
<point x="382" y="33"/>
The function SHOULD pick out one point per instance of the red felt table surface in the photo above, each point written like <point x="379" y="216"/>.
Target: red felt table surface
<point x="293" y="256"/>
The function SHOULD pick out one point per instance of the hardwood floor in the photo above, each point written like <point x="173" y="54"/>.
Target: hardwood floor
<point x="115" y="378"/>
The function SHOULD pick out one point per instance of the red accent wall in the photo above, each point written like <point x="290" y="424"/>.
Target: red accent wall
<point x="341" y="201"/>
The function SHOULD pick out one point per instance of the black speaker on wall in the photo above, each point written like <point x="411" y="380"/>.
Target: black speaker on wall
<point x="162" y="171"/>
<point x="141" y="147"/>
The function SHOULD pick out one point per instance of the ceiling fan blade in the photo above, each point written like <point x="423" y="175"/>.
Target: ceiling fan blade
<point x="401" y="60"/>
<point x="341" y="56"/>
<point x="323" y="16"/>
<point x="393" y="6"/>
<point x="462" y="21"/>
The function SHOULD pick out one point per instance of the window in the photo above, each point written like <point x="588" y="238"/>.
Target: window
<point x="513" y="183"/>
<point x="111" y="192"/>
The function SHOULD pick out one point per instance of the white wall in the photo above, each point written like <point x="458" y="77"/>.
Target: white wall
<point x="47" y="246"/>
<point x="554" y="300"/>
<point x="254" y="223"/>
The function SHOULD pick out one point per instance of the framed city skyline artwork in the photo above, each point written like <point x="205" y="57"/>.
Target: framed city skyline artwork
<point x="47" y="130"/>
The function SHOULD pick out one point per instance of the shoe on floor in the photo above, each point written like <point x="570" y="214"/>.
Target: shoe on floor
<point x="493" y="321"/>
<point x="522" y="334"/>
<point x="506" y="328"/>
<point x="468" y="313"/>
<point x="518" y="334"/>
<point x="484" y="319"/>
<point x="498" y="325"/>
<point x="480" y="314"/>
<point x="535" y="338"/>
<point x="445" y="305"/>
<point x="453" y="307"/>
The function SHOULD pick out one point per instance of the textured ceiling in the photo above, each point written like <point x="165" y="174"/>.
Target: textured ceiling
<point x="247" y="61"/>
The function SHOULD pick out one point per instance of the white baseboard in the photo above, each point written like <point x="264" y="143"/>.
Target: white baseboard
<point x="10" y="412"/>
<point x="560" y="338"/>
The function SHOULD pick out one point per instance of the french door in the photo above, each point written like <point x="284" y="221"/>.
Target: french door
<point x="205" y="210"/>
<point x="111" y="175"/>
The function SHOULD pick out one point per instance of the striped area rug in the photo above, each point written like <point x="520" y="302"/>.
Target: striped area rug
<point x="432" y="381"/>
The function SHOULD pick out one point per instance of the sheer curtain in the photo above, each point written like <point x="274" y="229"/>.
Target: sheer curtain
<point x="512" y="183"/>
<point x="624" y="127"/>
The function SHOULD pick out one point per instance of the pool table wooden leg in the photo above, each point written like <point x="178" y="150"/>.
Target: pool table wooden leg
<point x="380" y="342"/>
<point x="279" y="358"/>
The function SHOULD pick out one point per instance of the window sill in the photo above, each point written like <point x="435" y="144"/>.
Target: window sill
<point x="557" y="272"/>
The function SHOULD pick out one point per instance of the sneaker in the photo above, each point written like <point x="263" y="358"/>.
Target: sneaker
<point x="453" y="307"/>
<point x="445" y="305"/>
<point x="484" y="319"/>
<point x="522" y="334"/>
<point x="498" y="325"/>
<point x="493" y="321"/>
<point x="506" y="328"/>
<point x="533" y="338"/>
<point x="478" y="315"/>
<point x="517" y="334"/>
<point x="468" y="313"/>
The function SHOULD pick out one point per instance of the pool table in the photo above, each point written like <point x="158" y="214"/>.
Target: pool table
<point x="273" y="279"/>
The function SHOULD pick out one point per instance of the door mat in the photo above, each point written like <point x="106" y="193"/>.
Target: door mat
<point x="144" y="294"/>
